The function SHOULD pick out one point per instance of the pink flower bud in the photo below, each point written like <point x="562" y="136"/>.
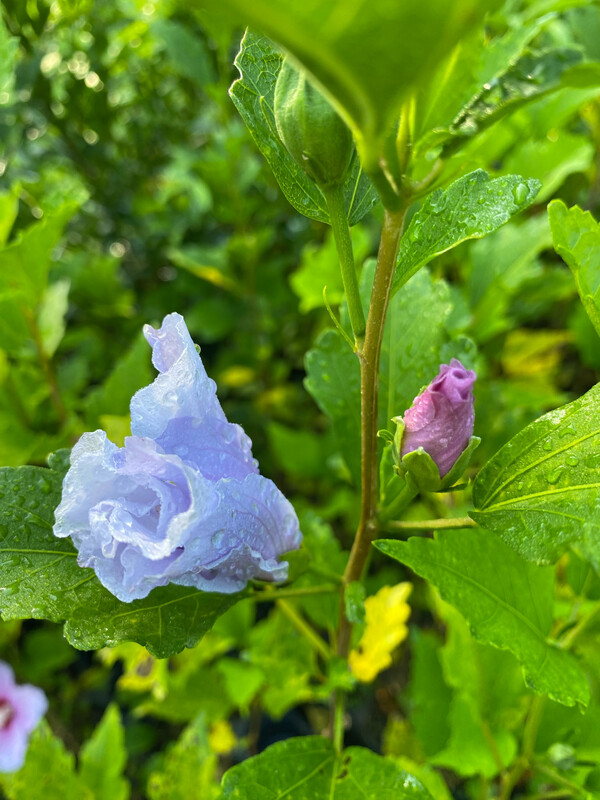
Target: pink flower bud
<point x="21" y="708"/>
<point x="441" y="418"/>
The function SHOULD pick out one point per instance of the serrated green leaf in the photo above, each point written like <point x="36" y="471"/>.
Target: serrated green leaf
<point x="370" y="60"/>
<point x="507" y="602"/>
<point x="40" y="578"/>
<point x="532" y="76"/>
<point x="540" y="491"/>
<point x="259" y="62"/>
<point x="103" y="757"/>
<point x="309" y="767"/>
<point x="576" y="238"/>
<point x="48" y="772"/>
<point x="470" y="208"/>
<point x="188" y="769"/>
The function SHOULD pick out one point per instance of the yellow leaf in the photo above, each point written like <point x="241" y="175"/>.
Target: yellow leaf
<point x="386" y="614"/>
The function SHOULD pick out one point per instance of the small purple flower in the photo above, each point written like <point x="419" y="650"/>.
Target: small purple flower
<point x="182" y="502"/>
<point x="21" y="708"/>
<point x="441" y="418"/>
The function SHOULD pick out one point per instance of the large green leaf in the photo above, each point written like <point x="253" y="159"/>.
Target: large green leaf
<point x="540" y="491"/>
<point x="259" y="64"/>
<point x="367" y="57"/>
<point x="576" y="237"/>
<point x="470" y="208"/>
<point x="507" y="602"/>
<point x="308" y="768"/>
<point x="41" y="579"/>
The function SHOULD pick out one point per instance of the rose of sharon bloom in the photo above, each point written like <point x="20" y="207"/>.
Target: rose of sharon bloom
<point x="21" y="708"/>
<point x="182" y="502"/>
<point x="441" y="418"/>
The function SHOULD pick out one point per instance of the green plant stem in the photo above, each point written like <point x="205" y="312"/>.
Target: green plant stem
<point x="304" y="629"/>
<point x="559" y="779"/>
<point x="572" y="635"/>
<point x="334" y="195"/>
<point x="510" y="778"/>
<point x="430" y="524"/>
<point x="393" y="225"/>
<point x="283" y="594"/>
<point x="338" y="721"/>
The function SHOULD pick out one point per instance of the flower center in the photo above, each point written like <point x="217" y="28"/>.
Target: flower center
<point x="6" y="714"/>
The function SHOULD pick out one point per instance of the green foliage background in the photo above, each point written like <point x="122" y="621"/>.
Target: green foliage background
<point x="130" y="188"/>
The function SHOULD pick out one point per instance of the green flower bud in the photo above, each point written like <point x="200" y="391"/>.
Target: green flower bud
<point x="313" y="133"/>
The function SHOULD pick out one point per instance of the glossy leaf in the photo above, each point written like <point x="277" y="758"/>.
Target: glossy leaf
<point x="532" y="76"/>
<point x="309" y="767"/>
<point x="259" y="64"/>
<point x="576" y="237"/>
<point x="470" y="208"/>
<point x="41" y="579"/>
<point x="368" y="61"/>
<point x="540" y="491"/>
<point x="506" y="601"/>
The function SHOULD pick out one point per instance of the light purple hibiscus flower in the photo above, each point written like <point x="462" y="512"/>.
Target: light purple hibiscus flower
<point x="441" y="418"/>
<point x="21" y="708"/>
<point x="182" y="502"/>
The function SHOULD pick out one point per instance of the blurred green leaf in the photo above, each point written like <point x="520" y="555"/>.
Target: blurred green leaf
<point x="427" y="695"/>
<point x="507" y="602"/>
<point x="48" y="772"/>
<point x="132" y="371"/>
<point x="309" y="767"/>
<point x="188" y="52"/>
<point x="188" y="769"/>
<point x="576" y="237"/>
<point x="103" y="757"/>
<point x="51" y="317"/>
<point x="333" y="380"/>
<point x="540" y="491"/>
<point x="259" y="63"/>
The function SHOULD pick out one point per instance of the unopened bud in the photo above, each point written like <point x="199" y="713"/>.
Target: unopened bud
<point x="314" y="134"/>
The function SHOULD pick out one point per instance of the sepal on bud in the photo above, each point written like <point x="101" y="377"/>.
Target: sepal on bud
<point x="312" y="131"/>
<point x="420" y="470"/>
